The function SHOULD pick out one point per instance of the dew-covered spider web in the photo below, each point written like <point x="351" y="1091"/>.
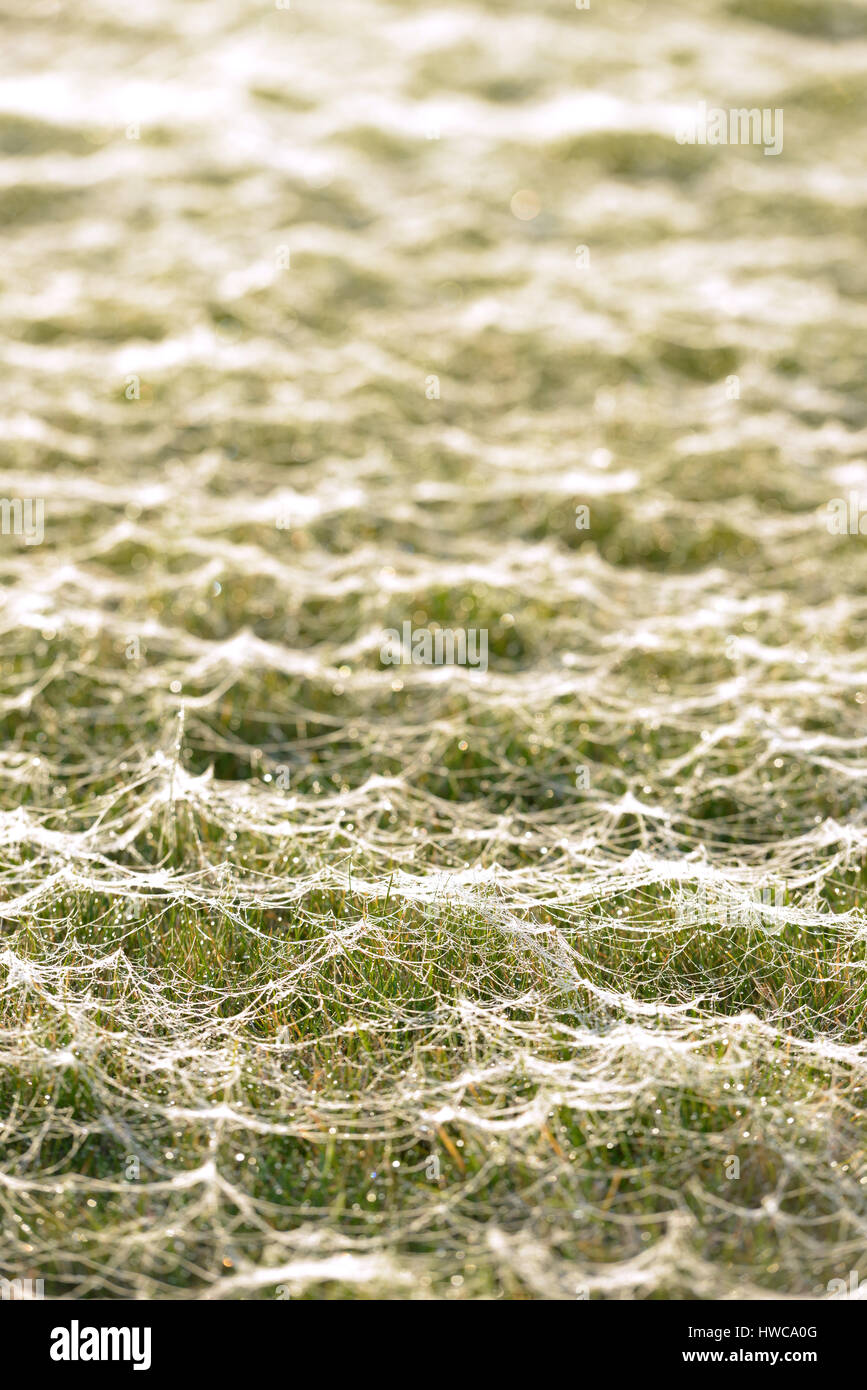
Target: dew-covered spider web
<point x="321" y="977"/>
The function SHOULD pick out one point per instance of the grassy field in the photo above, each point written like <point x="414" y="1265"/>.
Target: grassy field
<point x="324" y="978"/>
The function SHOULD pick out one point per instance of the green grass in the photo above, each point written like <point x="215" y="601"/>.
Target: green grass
<point x="326" y="979"/>
<point x="300" y="1048"/>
